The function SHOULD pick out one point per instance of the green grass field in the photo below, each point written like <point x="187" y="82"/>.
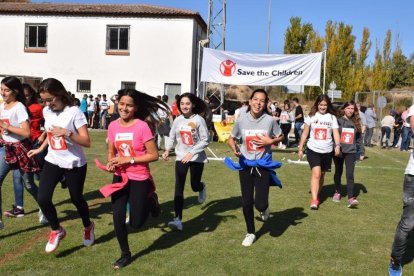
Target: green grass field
<point x="334" y="240"/>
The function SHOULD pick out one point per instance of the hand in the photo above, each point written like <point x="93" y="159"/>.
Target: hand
<point x="110" y="167"/>
<point x="165" y="155"/>
<point x="119" y="161"/>
<point x="337" y="151"/>
<point x="187" y="158"/>
<point x="4" y="125"/>
<point x="59" y="131"/>
<point x="300" y="153"/>
<point x="33" y="152"/>
<point x="262" y="140"/>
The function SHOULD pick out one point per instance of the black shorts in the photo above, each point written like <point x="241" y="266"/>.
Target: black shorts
<point x="323" y="160"/>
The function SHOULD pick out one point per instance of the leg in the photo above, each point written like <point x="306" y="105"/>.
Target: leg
<point x="4" y="170"/>
<point x="75" y="179"/>
<point x="339" y="168"/>
<point x="139" y="203"/>
<point x="29" y="184"/>
<point x="196" y="172"/>
<point x="180" y="176"/>
<point x="315" y="182"/>
<point x="247" y="191"/>
<point x="261" y="185"/>
<point x="350" y="167"/>
<point x="406" y="224"/>
<point x="18" y="188"/>
<point x="119" y="201"/>
<point x="49" y="178"/>
<point x="383" y="131"/>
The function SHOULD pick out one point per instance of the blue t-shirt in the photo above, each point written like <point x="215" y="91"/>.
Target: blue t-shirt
<point x="84" y="105"/>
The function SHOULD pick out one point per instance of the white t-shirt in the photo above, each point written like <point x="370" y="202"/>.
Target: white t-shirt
<point x="104" y="105"/>
<point x="321" y="127"/>
<point x="62" y="151"/>
<point x="14" y="117"/>
<point x="91" y="105"/>
<point x="410" y="166"/>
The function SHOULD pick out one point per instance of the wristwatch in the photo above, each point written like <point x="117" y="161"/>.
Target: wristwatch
<point x="132" y="161"/>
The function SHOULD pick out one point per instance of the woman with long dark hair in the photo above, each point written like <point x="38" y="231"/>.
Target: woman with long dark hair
<point x="131" y="147"/>
<point x="320" y="125"/>
<point x="191" y="133"/>
<point x="67" y="133"/>
<point x="15" y="143"/>
<point x="351" y="138"/>
<point x="257" y="131"/>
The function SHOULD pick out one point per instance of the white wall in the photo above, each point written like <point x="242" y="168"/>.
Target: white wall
<point x="161" y="51"/>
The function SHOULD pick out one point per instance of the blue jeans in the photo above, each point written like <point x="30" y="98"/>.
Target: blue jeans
<point x="406" y="138"/>
<point x="298" y="131"/>
<point x="102" y="118"/>
<point x="368" y="136"/>
<point x="406" y="224"/>
<point x="385" y="131"/>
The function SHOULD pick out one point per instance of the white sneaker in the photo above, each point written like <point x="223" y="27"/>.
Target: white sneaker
<point x="127" y="219"/>
<point x="265" y="214"/>
<point x="202" y="195"/>
<point x="89" y="235"/>
<point x="176" y="224"/>
<point x="249" y="240"/>
<point x="42" y="219"/>
<point x="54" y="239"/>
<point x="1" y="224"/>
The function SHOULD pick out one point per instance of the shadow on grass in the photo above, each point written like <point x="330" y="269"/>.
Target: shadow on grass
<point x="329" y="190"/>
<point x="208" y="221"/>
<point x="279" y="222"/>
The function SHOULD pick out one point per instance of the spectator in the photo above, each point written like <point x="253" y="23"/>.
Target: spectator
<point x="84" y="106"/>
<point x="397" y="129"/>
<point x="103" y="106"/>
<point x="299" y="119"/>
<point x="174" y="107"/>
<point x="387" y="124"/>
<point x="406" y="131"/>
<point x="91" y="110"/>
<point x="370" y="117"/>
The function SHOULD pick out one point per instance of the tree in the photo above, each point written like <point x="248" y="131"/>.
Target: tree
<point x="400" y="72"/>
<point x="297" y="36"/>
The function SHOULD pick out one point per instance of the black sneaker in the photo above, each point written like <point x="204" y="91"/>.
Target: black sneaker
<point x="14" y="212"/>
<point x="122" y="262"/>
<point x="155" y="205"/>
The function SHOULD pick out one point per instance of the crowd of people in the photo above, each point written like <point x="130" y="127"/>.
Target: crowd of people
<point x="43" y="138"/>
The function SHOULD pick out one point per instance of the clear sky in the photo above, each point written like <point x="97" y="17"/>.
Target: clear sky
<point x="248" y="23"/>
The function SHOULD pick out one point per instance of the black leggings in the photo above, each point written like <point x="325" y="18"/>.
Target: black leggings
<point x="349" y="160"/>
<point x="136" y="193"/>
<point x="254" y="185"/>
<point x="285" y="130"/>
<point x="196" y="171"/>
<point x="75" y="179"/>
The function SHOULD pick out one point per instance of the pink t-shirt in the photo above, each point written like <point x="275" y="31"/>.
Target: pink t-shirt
<point x="130" y="142"/>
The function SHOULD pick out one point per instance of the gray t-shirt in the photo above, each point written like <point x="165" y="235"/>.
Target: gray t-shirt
<point x="191" y="135"/>
<point x="247" y="128"/>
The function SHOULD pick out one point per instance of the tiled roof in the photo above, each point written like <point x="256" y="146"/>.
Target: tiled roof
<point x="98" y="10"/>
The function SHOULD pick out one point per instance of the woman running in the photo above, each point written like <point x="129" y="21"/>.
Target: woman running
<point x="67" y="133"/>
<point x="192" y="136"/>
<point x="351" y="138"/>
<point x="321" y="124"/>
<point x="15" y="143"/>
<point x="258" y="131"/>
<point x="131" y="147"/>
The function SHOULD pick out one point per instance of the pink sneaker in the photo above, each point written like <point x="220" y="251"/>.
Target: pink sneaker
<point x="314" y="204"/>
<point x="89" y="235"/>
<point x="54" y="239"/>
<point x="336" y="197"/>
<point x="352" y="202"/>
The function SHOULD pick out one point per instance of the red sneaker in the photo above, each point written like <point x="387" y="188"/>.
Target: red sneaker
<point x="89" y="235"/>
<point x="314" y="204"/>
<point x="54" y="238"/>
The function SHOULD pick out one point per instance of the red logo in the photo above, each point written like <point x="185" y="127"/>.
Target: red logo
<point x="227" y="68"/>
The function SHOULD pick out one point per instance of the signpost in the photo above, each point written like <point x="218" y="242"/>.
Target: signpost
<point x="334" y="93"/>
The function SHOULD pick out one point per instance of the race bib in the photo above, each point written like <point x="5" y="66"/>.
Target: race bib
<point x="124" y="144"/>
<point x="321" y="133"/>
<point x="250" y="137"/>
<point x="187" y="135"/>
<point x="347" y="136"/>
<point x="4" y="131"/>
<point x="55" y="142"/>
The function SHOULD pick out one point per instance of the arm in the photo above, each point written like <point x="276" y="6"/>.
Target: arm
<point x="232" y="144"/>
<point x="169" y="141"/>
<point x="337" y="140"/>
<point x="39" y="149"/>
<point x="80" y="138"/>
<point x="23" y="130"/>
<point x="303" y="138"/>
<point x="201" y="144"/>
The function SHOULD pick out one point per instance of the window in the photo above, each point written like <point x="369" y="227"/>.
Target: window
<point x="36" y="38"/>
<point x="117" y="40"/>
<point x="128" y="85"/>
<point x="172" y="89"/>
<point x="83" y="86"/>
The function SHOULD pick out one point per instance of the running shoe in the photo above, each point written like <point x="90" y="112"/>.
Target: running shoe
<point x="394" y="269"/>
<point x="336" y="197"/>
<point x="352" y="202"/>
<point x="123" y="261"/>
<point x="314" y="204"/>
<point x="176" y="224"/>
<point x="265" y="214"/>
<point x="248" y="240"/>
<point x="202" y="195"/>
<point x="55" y="237"/>
<point x="15" y="212"/>
<point x="89" y="235"/>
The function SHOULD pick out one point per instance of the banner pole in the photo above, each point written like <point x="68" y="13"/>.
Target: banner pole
<point x="324" y="70"/>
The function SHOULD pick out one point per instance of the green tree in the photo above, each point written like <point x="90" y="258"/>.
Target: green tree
<point x="400" y="72"/>
<point x="297" y="36"/>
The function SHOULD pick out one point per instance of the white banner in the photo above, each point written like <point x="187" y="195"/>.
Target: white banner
<point x="260" y="69"/>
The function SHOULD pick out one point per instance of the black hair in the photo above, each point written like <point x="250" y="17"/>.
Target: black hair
<point x="355" y="117"/>
<point x="199" y="106"/>
<point x="56" y="88"/>
<point x="260" y="90"/>
<point x="319" y="99"/>
<point x="147" y="106"/>
<point x="15" y="85"/>
<point x="33" y="96"/>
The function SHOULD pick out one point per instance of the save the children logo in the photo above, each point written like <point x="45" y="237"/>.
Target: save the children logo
<point x="227" y="68"/>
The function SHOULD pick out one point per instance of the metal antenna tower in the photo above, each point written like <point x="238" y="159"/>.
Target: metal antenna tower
<point x="216" y="29"/>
